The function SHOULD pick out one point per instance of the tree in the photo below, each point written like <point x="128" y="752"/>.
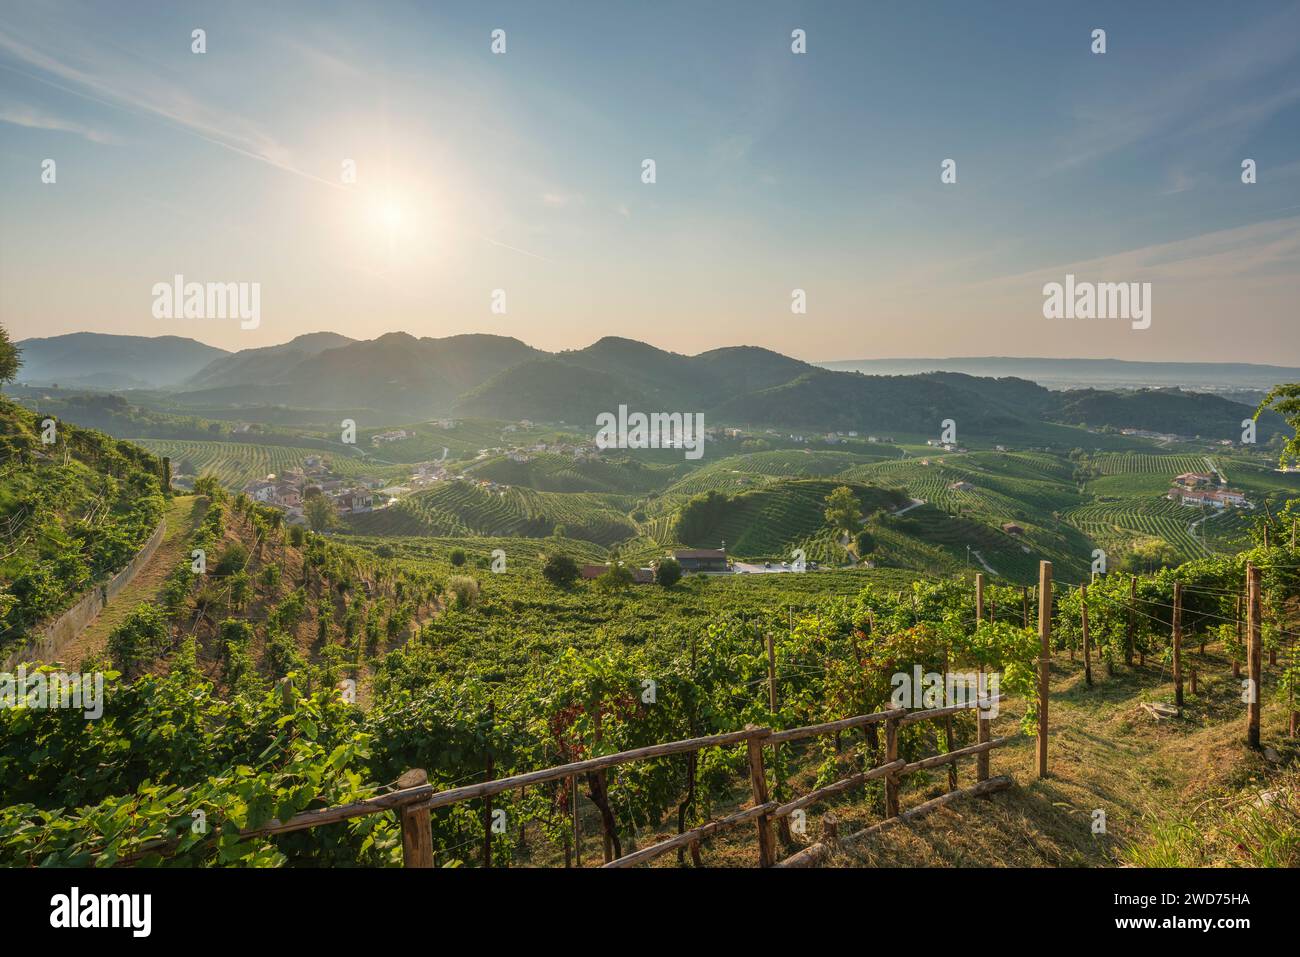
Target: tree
<point x="560" y="570"/>
<point x="669" y="572"/>
<point x="842" y="511"/>
<point x="1148" y="556"/>
<point x="10" y="358"/>
<point x="865" y="543"/>
<point x="320" y="513"/>
<point x="1285" y="401"/>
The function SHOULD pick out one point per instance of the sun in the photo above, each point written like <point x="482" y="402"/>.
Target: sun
<point x="388" y="214"/>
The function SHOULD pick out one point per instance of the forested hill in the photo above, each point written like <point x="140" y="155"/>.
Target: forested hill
<point x="502" y="378"/>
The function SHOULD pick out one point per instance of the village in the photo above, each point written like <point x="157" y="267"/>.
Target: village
<point x="349" y="495"/>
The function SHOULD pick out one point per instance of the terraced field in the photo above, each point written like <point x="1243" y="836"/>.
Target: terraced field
<point x="546" y="472"/>
<point x="1139" y="463"/>
<point x="1006" y="487"/>
<point x="1118" y="525"/>
<point x="236" y="463"/>
<point x="463" y="508"/>
<point x="770" y="521"/>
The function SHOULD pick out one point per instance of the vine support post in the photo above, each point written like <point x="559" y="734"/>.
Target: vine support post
<point x="758" y="780"/>
<point x="1132" y="602"/>
<point x="1087" y="642"/>
<point x="1044" y="658"/>
<point x="417" y="826"/>
<point x="487" y="802"/>
<point x="1024" y="604"/>
<point x="1236" y="662"/>
<point x="1254" y="655"/>
<point x="577" y="830"/>
<point x="1178" y="645"/>
<point x="891" y="779"/>
<point x="981" y="723"/>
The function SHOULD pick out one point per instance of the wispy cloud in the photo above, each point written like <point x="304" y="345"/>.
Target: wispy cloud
<point x="1217" y="98"/>
<point x="36" y="120"/>
<point x="124" y="85"/>
<point x="1269" y="248"/>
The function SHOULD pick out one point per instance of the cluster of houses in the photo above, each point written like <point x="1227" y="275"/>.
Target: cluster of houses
<point x="1203" y="488"/>
<point x="288" y="490"/>
<point x="350" y="496"/>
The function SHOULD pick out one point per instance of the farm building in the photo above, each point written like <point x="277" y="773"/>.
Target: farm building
<point x="1194" y="479"/>
<point x="1011" y="528"/>
<point x="702" y="559"/>
<point x="961" y="487"/>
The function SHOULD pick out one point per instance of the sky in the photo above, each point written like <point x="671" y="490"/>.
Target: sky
<point x="775" y="171"/>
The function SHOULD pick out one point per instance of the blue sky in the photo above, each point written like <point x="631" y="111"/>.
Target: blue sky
<point x="775" y="171"/>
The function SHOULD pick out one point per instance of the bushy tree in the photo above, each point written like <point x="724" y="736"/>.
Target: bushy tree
<point x="842" y="510"/>
<point x="10" y="358"/>
<point x="668" y="572"/>
<point x="560" y="570"/>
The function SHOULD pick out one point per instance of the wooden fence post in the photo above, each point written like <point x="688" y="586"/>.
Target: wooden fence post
<point x="891" y="779"/>
<point x="1044" y="659"/>
<point x="783" y="825"/>
<point x="1087" y="644"/>
<point x="758" y="781"/>
<point x="1254" y="655"/>
<point x="1178" y="644"/>
<point x="417" y="826"/>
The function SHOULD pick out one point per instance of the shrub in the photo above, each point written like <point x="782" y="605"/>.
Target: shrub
<point x="139" y="640"/>
<point x="462" y="592"/>
<point x="233" y="559"/>
<point x="560" y="570"/>
<point x="668" y="573"/>
<point x="457" y="557"/>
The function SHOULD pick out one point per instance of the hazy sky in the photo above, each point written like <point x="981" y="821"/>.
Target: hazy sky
<point x="775" y="171"/>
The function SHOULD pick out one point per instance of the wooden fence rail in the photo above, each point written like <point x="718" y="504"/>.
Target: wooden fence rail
<point x="415" y="798"/>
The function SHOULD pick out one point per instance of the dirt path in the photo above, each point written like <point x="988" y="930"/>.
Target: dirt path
<point x="183" y="516"/>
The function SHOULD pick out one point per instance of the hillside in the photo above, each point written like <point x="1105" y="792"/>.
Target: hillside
<point x="502" y="378"/>
<point x="72" y="512"/>
<point x="96" y="360"/>
<point x="265" y="364"/>
<point x="395" y="372"/>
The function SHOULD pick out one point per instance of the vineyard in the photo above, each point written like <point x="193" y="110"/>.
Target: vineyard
<point x="460" y="507"/>
<point x="513" y="674"/>
<point x="235" y="464"/>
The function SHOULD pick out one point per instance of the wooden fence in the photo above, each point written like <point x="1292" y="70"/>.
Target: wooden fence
<point x="415" y="798"/>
